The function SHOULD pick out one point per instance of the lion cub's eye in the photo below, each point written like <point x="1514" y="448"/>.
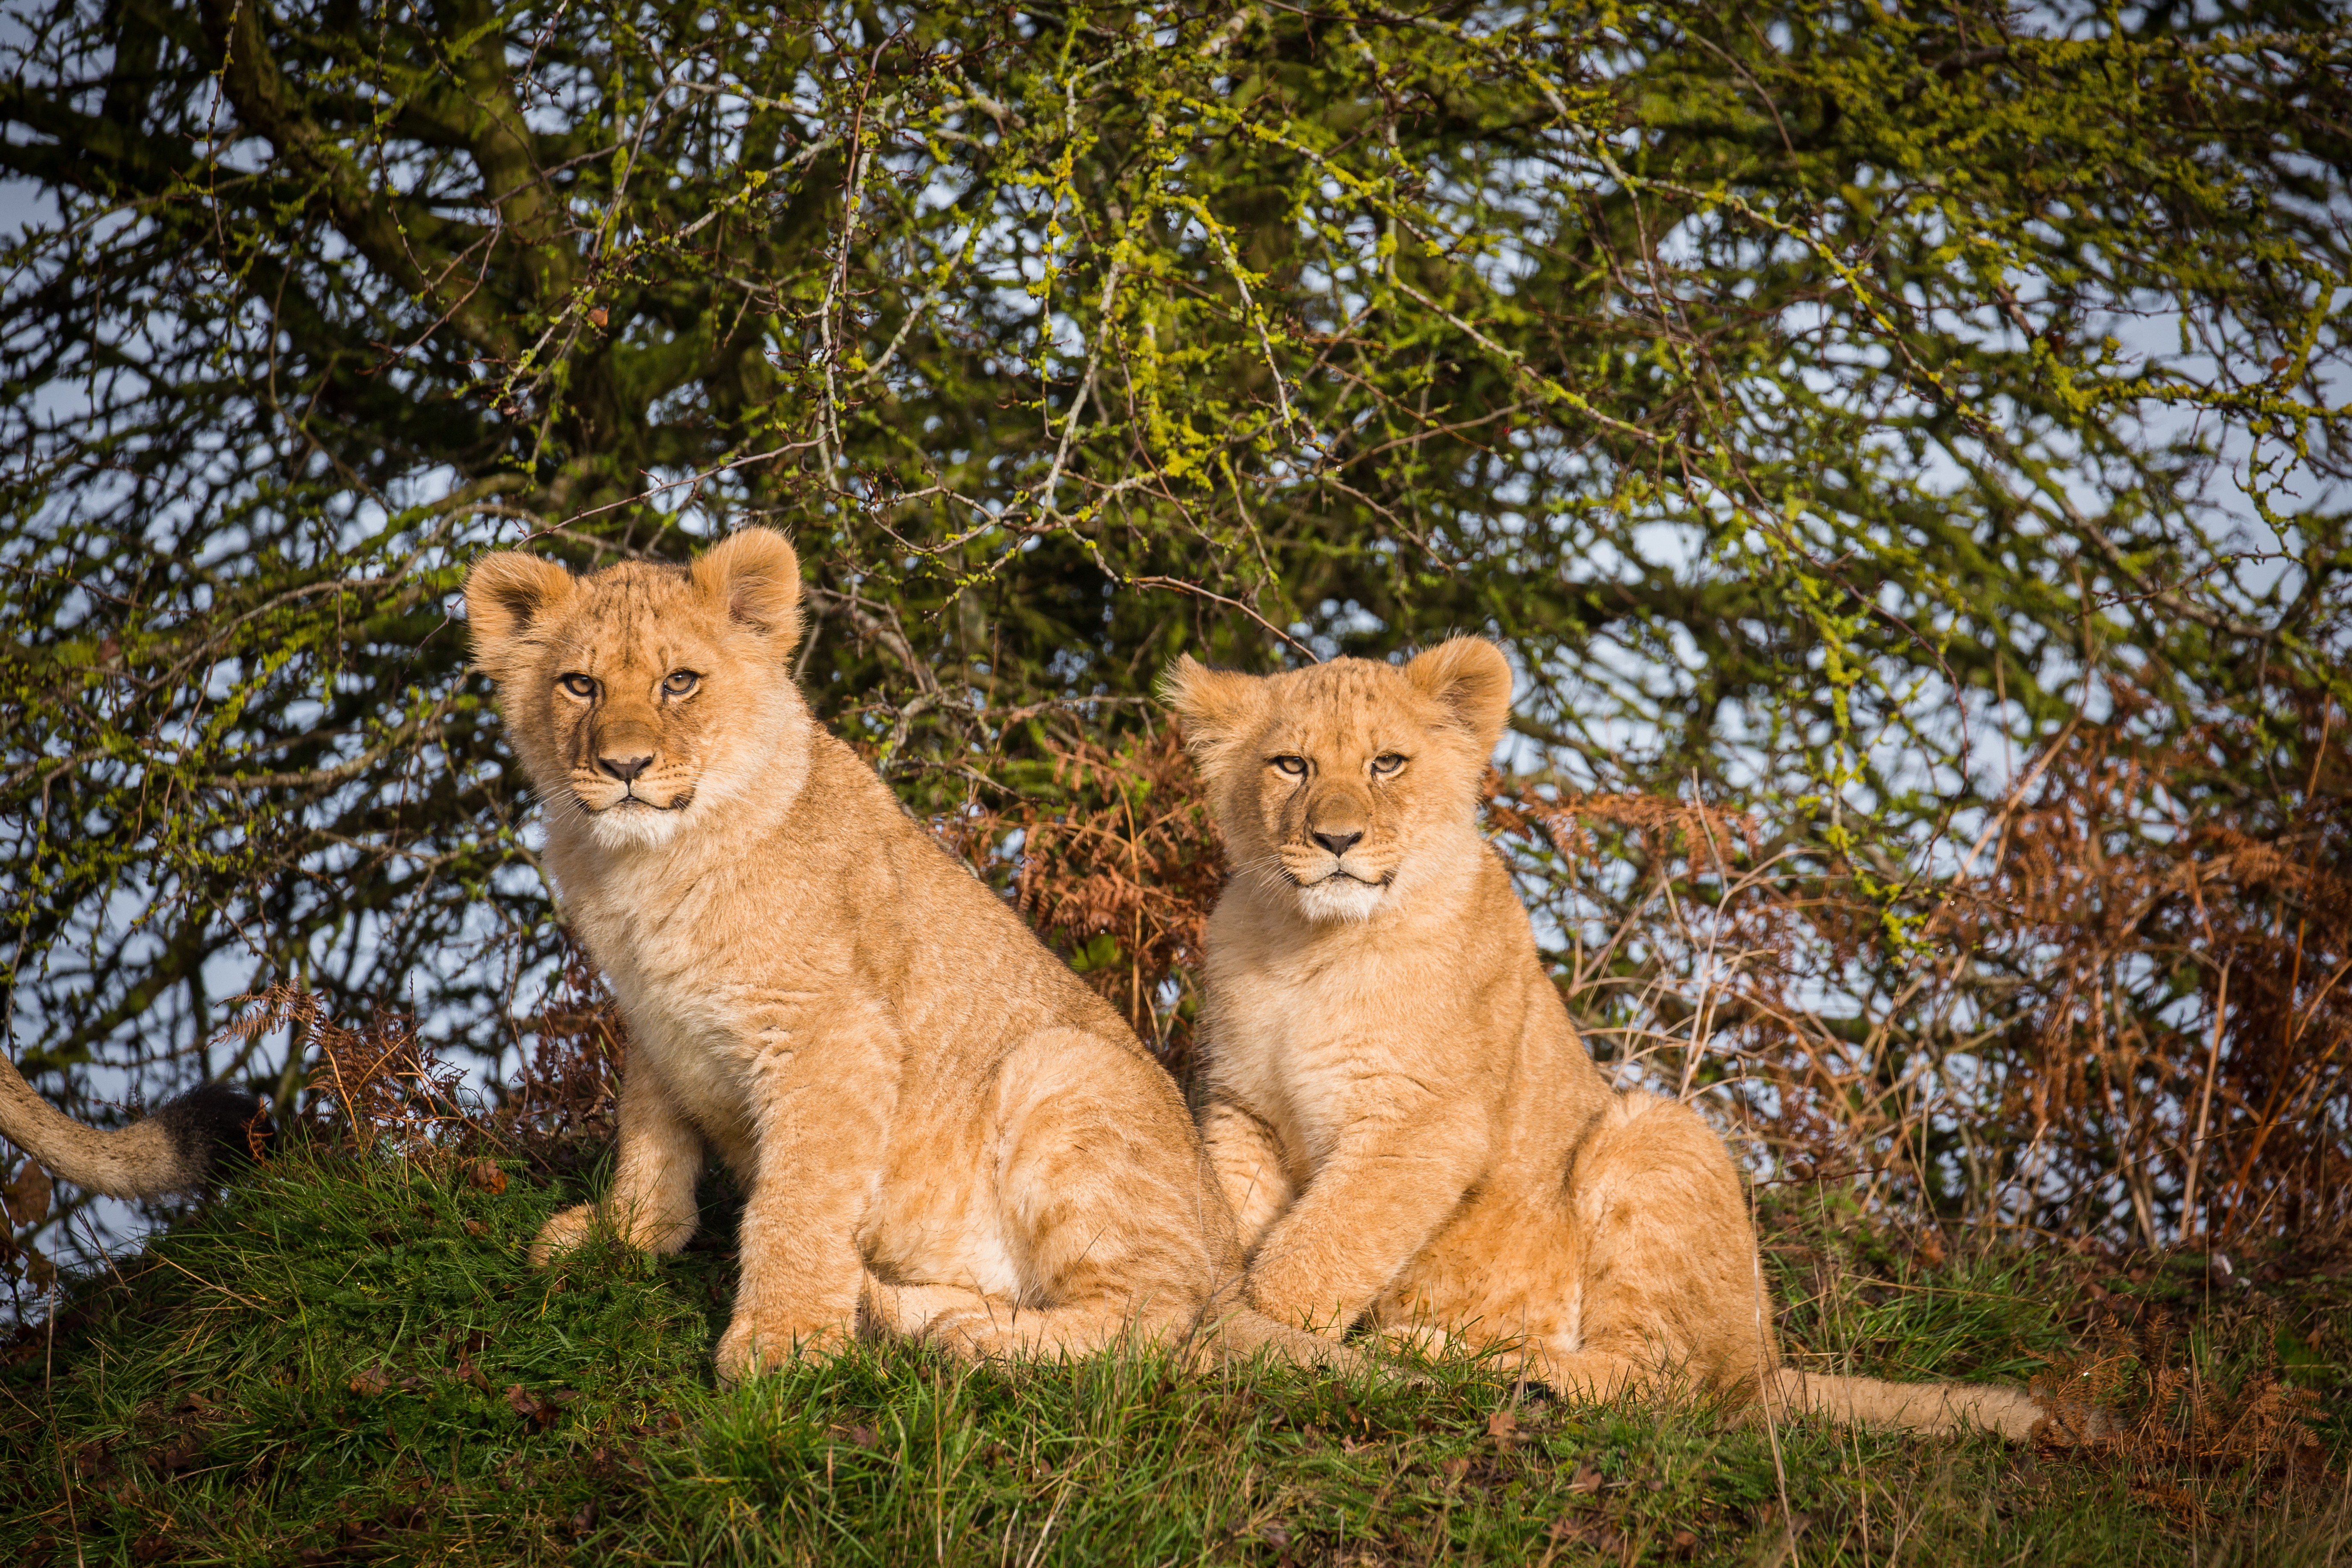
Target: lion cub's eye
<point x="1291" y="767"/>
<point x="1387" y="763"/>
<point x="681" y="682"/>
<point x="579" y="686"/>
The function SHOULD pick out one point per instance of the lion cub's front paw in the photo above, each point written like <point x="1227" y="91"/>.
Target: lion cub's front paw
<point x="748" y="1349"/>
<point x="561" y="1234"/>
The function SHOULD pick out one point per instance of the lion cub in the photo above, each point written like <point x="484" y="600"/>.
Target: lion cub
<point x="939" y="1130"/>
<point x="1404" y="1119"/>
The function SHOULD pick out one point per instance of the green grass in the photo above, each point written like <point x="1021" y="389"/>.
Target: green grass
<point x="348" y="1360"/>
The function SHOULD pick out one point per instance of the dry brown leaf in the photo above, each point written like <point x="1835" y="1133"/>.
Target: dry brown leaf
<point x="27" y="1196"/>
<point x="1504" y="1428"/>
<point x="529" y="1406"/>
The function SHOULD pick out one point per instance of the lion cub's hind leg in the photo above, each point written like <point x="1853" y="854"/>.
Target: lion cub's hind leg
<point x="1672" y="1295"/>
<point x="651" y="1204"/>
<point x="971" y="1326"/>
<point x="1667" y="1280"/>
<point x="1098" y="1203"/>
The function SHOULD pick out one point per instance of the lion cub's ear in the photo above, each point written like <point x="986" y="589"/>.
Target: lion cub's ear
<point x="756" y="578"/>
<point x="508" y="596"/>
<point x="1472" y="679"/>
<point x="1212" y="705"/>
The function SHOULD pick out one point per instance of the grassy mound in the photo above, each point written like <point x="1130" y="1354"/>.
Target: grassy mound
<point x="347" y="1359"/>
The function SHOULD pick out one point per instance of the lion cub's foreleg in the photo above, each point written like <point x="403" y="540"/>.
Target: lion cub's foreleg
<point x="1247" y="1159"/>
<point x="1399" y="1168"/>
<point x="824" y="1088"/>
<point x="651" y="1204"/>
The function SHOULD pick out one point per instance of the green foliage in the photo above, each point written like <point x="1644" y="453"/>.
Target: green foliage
<point x="347" y="1358"/>
<point x="1811" y="396"/>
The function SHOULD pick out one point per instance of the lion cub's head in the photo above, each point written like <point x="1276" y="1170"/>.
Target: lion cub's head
<point x="1335" y="784"/>
<point x="643" y="696"/>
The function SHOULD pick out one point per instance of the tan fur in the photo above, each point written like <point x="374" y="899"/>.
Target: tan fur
<point x="939" y="1130"/>
<point x="1404" y="1119"/>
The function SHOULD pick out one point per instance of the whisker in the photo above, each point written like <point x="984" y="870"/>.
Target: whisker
<point x="1267" y="872"/>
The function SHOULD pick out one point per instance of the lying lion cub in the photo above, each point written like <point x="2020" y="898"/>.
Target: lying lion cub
<point x="939" y="1128"/>
<point x="1402" y="1117"/>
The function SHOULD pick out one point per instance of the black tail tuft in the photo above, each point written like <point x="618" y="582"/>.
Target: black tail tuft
<point x="212" y="1126"/>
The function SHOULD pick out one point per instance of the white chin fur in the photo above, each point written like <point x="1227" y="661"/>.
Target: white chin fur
<point x="1339" y="898"/>
<point x="634" y="826"/>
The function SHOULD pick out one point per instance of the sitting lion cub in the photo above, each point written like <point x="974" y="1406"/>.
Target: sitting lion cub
<point x="1402" y="1117"/>
<point x="938" y="1127"/>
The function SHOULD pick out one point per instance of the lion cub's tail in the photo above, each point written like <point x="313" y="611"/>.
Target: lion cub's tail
<point x="173" y="1151"/>
<point x="1932" y="1408"/>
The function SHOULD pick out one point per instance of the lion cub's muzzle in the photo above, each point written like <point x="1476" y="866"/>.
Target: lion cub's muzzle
<point x="601" y="793"/>
<point x="1340" y="858"/>
<point x="626" y="771"/>
<point x="1340" y="877"/>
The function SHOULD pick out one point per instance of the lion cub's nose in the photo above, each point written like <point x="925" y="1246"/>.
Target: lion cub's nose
<point x="625" y="769"/>
<point x="1339" y="843"/>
